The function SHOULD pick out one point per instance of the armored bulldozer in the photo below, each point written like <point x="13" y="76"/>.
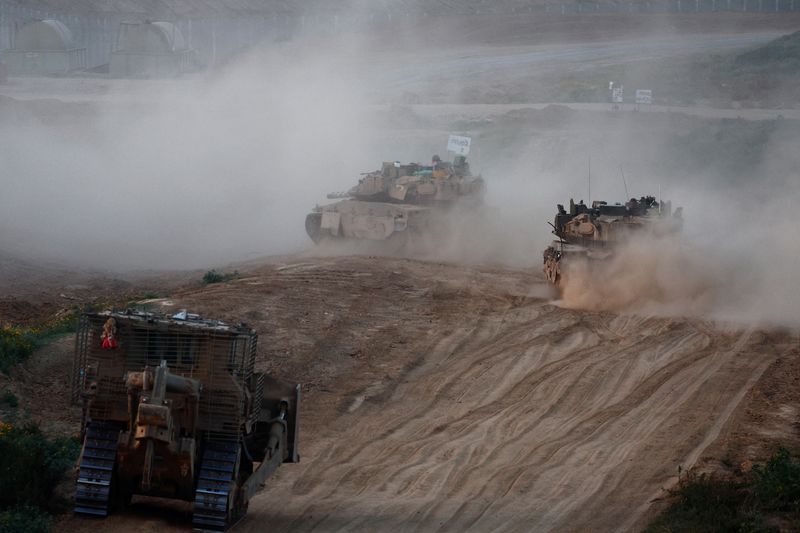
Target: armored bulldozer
<point x="173" y="408"/>
<point x="591" y="234"/>
<point x="396" y="201"/>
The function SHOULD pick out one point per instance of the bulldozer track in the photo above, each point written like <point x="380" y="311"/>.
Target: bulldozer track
<point x="94" y="487"/>
<point x="214" y="501"/>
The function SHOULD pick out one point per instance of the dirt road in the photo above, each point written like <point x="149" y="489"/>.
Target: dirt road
<point x="479" y="111"/>
<point x="445" y="398"/>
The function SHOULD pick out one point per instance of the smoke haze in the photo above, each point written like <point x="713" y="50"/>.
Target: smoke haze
<point x="207" y="171"/>
<point x="223" y="167"/>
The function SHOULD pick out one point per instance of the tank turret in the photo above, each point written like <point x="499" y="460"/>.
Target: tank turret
<point x="396" y="199"/>
<point x="593" y="232"/>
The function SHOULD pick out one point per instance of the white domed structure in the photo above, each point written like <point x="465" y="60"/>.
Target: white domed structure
<point x="44" y="47"/>
<point x="149" y="49"/>
<point x="44" y="35"/>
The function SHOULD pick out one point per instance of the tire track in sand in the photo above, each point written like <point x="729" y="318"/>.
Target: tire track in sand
<point x="530" y="418"/>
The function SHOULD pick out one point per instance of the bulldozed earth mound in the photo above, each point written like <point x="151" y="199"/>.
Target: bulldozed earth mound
<point x="444" y="397"/>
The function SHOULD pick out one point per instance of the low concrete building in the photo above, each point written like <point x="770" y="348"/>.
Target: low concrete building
<point x="44" y="47"/>
<point x="149" y="50"/>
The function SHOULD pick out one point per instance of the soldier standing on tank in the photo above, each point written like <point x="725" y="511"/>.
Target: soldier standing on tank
<point x="461" y="166"/>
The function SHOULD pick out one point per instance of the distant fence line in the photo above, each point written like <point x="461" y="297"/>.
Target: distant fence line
<point x="217" y="38"/>
<point x="210" y="38"/>
<point x="623" y="6"/>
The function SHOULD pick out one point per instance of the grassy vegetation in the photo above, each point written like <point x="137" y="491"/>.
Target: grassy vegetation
<point x="31" y="466"/>
<point x="24" y="519"/>
<point x="767" y="499"/>
<point x="776" y="486"/>
<point x="18" y="343"/>
<point x="149" y="296"/>
<point x="212" y="276"/>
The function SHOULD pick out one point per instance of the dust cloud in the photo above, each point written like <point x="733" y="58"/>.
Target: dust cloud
<point x="223" y="166"/>
<point x="752" y="280"/>
<point x="647" y="275"/>
<point x="736" y="258"/>
<point x="205" y="171"/>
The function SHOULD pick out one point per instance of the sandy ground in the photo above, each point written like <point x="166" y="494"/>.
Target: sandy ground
<point x="444" y="398"/>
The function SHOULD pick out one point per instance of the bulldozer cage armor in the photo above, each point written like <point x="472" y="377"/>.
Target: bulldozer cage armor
<point x="220" y="356"/>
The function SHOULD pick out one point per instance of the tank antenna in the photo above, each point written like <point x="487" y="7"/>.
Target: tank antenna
<point x="589" y="181"/>
<point x="624" y="182"/>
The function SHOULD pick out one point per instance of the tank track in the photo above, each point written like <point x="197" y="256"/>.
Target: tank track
<point x="314" y="226"/>
<point x="96" y="471"/>
<point x="214" y="497"/>
<point x="552" y="266"/>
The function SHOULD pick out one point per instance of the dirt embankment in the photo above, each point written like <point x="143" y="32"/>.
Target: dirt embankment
<point x="441" y="397"/>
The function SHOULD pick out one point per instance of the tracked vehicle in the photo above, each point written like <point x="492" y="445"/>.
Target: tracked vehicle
<point x="396" y="202"/>
<point x="592" y="234"/>
<point x="173" y="408"/>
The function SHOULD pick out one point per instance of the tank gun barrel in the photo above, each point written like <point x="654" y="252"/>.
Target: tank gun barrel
<point x="338" y="195"/>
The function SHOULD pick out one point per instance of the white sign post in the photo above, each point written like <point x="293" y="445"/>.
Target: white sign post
<point x="617" y="95"/>
<point x="458" y="144"/>
<point x="644" y="96"/>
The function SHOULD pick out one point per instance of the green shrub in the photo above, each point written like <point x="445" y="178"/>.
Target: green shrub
<point x="212" y="276"/>
<point x="708" y="503"/>
<point x="24" y="519"/>
<point x="53" y="329"/>
<point x="31" y="465"/>
<point x="776" y="485"/>
<point x="16" y="345"/>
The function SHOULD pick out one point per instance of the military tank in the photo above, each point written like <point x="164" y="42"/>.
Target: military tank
<point x="397" y="201"/>
<point x="173" y="408"/>
<point x="591" y="234"/>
